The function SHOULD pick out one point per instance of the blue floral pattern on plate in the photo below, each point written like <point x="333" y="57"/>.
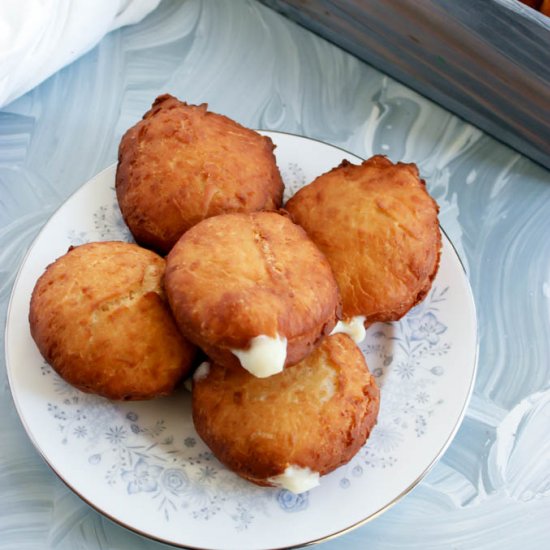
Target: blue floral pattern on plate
<point x="142" y="463"/>
<point x="180" y="474"/>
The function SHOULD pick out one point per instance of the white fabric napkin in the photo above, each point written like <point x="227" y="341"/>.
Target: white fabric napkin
<point x="39" y="37"/>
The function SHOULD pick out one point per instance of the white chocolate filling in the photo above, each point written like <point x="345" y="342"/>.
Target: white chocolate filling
<point x="296" y="479"/>
<point x="265" y="357"/>
<point x="188" y="384"/>
<point x="354" y="328"/>
<point x="202" y="371"/>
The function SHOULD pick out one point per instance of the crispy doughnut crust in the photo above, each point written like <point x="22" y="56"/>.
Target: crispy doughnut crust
<point x="237" y="276"/>
<point x="317" y="414"/>
<point x="182" y="164"/>
<point x="377" y="225"/>
<point x="99" y="316"/>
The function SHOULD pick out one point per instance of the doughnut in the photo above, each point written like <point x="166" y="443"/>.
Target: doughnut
<point x="182" y="164"/>
<point x="100" y="318"/>
<point x="251" y="289"/>
<point x="377" y="226"/>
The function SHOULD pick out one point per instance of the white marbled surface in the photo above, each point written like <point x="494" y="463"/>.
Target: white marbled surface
<point x="492" y="487"/>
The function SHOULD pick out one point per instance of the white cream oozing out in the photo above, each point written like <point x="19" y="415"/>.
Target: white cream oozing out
<point x="296" y="479"/>
<point x="265" y="357"/>
<point x="354" y="328"/>
<point x="202" y="371"/>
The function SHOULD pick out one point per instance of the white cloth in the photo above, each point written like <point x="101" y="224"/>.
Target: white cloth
<point x="39" y="37"/>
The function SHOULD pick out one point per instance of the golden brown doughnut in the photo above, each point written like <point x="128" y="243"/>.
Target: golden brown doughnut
<point x="99" y="316"/>
<point x="377" y="225"/>
<point x="314" y="416"/>
<point x="182" y="164"/>
<point x="235" y="277"/>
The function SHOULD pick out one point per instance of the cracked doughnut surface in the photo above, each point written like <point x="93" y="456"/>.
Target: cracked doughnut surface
<point x="99" y="316"/>
<point x="377" y="225"/>
<point x="182" y="164"/>
<point x="237" y="276"/>
<point x="316" y="415"/>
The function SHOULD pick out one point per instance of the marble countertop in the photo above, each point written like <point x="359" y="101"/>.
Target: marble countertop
<point x="491" y="489"/>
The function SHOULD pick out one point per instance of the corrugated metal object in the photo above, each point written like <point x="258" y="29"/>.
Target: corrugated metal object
<point x="486" y="60"/>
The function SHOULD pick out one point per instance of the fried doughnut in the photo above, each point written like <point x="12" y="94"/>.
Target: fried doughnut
<point x="99" y="316"/>
<point x="377" y="225"/>
<point x="288" y="429"/>
<point x="182" y="164"/>
<point x="251" y="286"/>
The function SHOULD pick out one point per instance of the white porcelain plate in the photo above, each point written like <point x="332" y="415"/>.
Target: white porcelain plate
<point x="142" y="463"/>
